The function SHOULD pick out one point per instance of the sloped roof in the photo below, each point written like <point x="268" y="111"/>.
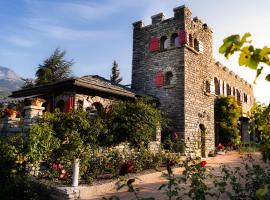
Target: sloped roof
<point x="89" y="83"/>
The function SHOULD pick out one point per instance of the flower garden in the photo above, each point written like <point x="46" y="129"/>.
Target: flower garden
<point x="114" y="146"/>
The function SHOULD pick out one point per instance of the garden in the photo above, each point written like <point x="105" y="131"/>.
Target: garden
<point x="114" y="146"/>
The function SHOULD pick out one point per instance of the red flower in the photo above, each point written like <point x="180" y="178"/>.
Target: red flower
<point x="170" y="163"/>
<point x="126" y="168"/>
<point x="220" y="147"/>
<point x="203" y="163"/>
<point x="174" y="136"/>
<point x="55" y="166"/>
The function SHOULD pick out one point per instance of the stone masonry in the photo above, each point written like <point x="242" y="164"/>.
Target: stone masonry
<point x="173" y="61"/>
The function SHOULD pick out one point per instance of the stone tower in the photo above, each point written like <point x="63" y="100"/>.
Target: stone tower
<point x="170" y="61"/>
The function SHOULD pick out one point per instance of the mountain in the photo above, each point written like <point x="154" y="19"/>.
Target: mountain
<point x="9" y="81"/>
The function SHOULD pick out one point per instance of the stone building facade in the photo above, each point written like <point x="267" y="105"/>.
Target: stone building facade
<point x="173" y="61"/>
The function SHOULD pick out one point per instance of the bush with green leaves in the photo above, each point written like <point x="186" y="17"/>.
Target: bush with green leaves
<point x="134" y="122"/>
<point x="227" y="113"/>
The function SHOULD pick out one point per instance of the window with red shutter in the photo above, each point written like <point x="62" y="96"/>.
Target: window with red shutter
<point x="183" y="37"/>
<point x="159" y="79"/>
<point x="154" y="44"/>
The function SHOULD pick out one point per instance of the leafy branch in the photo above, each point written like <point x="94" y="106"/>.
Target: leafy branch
<point x="249" y="56"/>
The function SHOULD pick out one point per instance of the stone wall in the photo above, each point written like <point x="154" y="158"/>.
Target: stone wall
<point x="146" y="65"/>
<point x="190" y="97"/>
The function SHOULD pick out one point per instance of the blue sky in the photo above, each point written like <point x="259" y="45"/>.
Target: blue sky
<point x="96" y="32"/>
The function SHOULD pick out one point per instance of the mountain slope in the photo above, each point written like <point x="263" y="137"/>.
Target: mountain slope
<point x="9" y="81"/>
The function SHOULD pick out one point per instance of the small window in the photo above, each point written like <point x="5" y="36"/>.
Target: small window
<point x="234" y="92"/>
<point x="217" y="86"/>
<point x="168" y="78"/>
<point x="174" y="40"/>
<point x="196" y="45"/>
<point x="245" y="98"/>
<point x="207" y="87"/>
<point x="164" y="43"/>
<point x="229" y="92"/>
<point x="238" y="96"/>
<point x="190" y="40"/>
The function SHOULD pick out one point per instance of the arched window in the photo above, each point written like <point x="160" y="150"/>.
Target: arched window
<point x="234" y="92"/>
<point x="190" y="40"/>
<point x="174" y="40"/>
<point x="164" y="42"/>
<point x="97" y="107"/>
<point x="229" y="92"/>
<point x="168" y="78"/>
<point x="61" y="105"/>
<point x="196" y="44"/>
<point x="217" y="86"/>
<point x="245" y="98"/>
<point x="238" y="96"/>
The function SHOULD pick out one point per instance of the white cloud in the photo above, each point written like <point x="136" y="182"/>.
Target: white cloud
<point x="19" y="41"/>
<point x="61" y="32"/>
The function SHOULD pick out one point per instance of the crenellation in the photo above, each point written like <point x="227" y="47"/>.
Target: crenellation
<point x="158" y="18"/>
<point x="173" y="61"/>
<point x="138" y="24"/>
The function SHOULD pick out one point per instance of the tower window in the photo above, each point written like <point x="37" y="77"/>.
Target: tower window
<point x="190" y="40"/>
<point x="217" y="86"/>
<point x="163" y="43"/>
<point x="245" y="98"/>
<point x="196" y="45"/>
<point x="228" y="90"/>
<point x="207" y="87"/>
<point x="168" y="78"/>
<point x="174" y="40"/>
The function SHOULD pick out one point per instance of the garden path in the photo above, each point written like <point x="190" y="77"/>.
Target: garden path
<point x="149" y="183"/>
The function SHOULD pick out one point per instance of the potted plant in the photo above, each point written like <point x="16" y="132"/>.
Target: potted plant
<point x="10" y="112"/>
<point x="37" y="102"/>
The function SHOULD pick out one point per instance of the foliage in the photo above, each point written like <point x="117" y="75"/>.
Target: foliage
<point x="24" y="188"/>
<point x="250" y="56"/>
<point x="54" y="68"/>
<point x="115" y="77"/>
<point x="260" y="127"/>
<point x="28" y="83"/>
<point x="12" y="156"/>
<point x="227" y="113"/>
<point x="134" y="122"/>
<point x="260" y="120"/>
<point x="108" y="163"/>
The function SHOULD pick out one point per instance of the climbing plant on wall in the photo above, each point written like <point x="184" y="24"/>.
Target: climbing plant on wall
<point x="227" y="113"/>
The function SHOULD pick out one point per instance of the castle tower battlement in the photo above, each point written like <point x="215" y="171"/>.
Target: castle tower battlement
<point x="173" y="61"/>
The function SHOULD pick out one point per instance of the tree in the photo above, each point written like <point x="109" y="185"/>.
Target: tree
<point x="249" y="55"/>
<point x="115" y="77"/>
<point x="54" y="68"/>
<point x="227" y="113"/>
<point x="28" y="83"/>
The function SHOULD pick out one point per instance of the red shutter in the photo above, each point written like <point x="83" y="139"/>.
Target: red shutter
<point x="69" y="104"/>
<point x="159" y="80"/>
<point x="183" y="37"/>
<point x="154" y="44"/>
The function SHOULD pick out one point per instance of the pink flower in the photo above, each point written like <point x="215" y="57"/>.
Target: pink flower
<point x="203" y="163"/>
<point x="59" y="166"/>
